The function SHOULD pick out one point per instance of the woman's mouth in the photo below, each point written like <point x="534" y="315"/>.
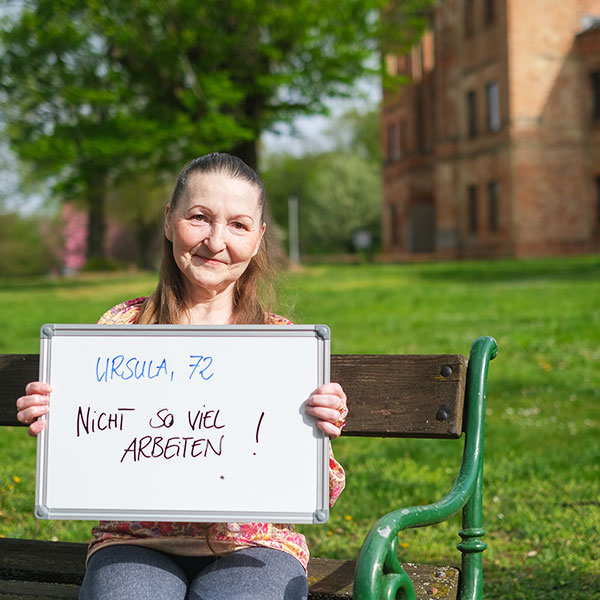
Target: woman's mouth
<point x="208" y="260"/>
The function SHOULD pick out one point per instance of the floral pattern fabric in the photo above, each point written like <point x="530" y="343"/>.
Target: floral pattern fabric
<point x="201" y="539"/>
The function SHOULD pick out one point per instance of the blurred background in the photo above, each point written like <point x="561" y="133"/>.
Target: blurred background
<point x="433" y="173"/>
<point x="414" y="129"/>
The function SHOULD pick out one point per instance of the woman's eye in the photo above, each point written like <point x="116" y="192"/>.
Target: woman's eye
<point x="238" y="225"/>
<point x="199" y="217"/>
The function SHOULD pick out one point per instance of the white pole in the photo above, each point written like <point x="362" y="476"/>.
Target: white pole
<point x="293" y="230"/>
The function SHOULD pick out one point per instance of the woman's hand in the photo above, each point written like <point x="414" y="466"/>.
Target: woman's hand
<point x="327" y="404"/>
<point x="33" y="405"/>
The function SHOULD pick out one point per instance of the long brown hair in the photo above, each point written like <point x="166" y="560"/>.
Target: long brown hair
<point x="167" y="304"/>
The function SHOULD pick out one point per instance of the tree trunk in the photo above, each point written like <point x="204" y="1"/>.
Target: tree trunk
<point x="248" y="152"/>
<point x="97" y="219"/>
<point x="253" y="108"/>
<point x="146" y="236"/>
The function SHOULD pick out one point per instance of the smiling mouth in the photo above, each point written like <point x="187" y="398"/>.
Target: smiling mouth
<point x="210" y="260"/>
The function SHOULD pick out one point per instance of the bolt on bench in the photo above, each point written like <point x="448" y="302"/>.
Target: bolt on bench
<point x="416" y="396"/>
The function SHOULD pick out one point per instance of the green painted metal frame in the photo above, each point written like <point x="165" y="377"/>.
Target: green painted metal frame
<point x="379" y="574"/>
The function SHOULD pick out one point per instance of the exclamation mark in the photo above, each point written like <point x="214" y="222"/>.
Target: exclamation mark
<point x="258" y="428"/>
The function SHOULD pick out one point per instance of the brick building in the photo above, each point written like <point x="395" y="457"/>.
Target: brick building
<point x="493" y="148"/>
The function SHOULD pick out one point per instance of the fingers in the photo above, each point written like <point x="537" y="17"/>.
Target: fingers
<point x="37" y="387"/>
<point x="31" y="401"/>
<point x="36" y="427"/>
<point x="34" y="405"/>
<point x="30" y="412"/>
<point x="329" y="429"/>
<point x="327" y="404"/>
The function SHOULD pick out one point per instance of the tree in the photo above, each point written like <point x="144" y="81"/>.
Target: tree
<point x="343" y="198"/>
<point x="357" y="132"/>
<point x="72" y="251"/>
<point x="339" y="191"/>
<point x="25" y="249"/>
<point x="70" y="110"/>
<point x="140" y="204"/>
<point x="98" y="90"/>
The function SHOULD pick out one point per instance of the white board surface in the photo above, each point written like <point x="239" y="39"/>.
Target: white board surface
<point x="183" y="423"/>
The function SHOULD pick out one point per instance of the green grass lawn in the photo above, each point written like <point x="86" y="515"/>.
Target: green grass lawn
<point x="542" y="472"/>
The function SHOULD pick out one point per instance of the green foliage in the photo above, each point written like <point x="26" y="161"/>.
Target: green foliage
<point x="343" y="197"/>
<point x="100" y="263"/>
<point x="339" y="192"/>
<point x="112" y="84"/>
<point x="357" y="132"/>
<point x="23" y="248"/>
<point x="139" y="202"/>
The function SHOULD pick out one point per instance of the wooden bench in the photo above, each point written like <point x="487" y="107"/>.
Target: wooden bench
<point x="418" y="396"/>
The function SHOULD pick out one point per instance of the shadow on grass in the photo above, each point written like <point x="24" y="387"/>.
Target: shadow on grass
<point x="537" y="583"/>
<point x="514" y="270"/>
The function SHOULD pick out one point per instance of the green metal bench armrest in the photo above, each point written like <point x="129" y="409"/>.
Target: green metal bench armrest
<point x="379" y="574"/>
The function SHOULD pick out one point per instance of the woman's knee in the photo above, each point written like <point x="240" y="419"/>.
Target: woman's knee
<point x="252" y="573"/>
<point x="132" y="572"/>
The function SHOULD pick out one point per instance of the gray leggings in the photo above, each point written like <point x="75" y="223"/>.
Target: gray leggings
<point x="122" y="572"/>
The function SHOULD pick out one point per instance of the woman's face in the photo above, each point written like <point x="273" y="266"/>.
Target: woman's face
<point x="216" y="228"/>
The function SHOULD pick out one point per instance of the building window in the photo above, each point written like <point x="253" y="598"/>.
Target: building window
<point x="471" y="114"/>
<point x="493" y="208"/>
<point x="395" y="225"/>
<point x="416" y="63"/>
<point x="391" y="64"/>
<point x="492" y="93"/>
<point x="395" y="64"/>
<point x="472" y="207"/>
<point x="420" y="118"/>
<point x="403" y="137"/>
<point x="489" y="12"/>
<point x="393" y="142"/>
<point x="595" y="84"/>
<point x="469" y="20"/>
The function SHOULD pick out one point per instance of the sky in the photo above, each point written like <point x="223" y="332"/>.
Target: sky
<point x="10" y="198"/>
<point x="310" y="132"/>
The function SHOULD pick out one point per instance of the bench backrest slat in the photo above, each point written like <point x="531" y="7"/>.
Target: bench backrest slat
<point x="388" y="395"/>
<point x="16" y="370"/>
<point x="402" y="395"/>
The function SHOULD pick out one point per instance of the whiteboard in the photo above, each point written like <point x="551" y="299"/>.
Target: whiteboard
<point x="183" y="423"/>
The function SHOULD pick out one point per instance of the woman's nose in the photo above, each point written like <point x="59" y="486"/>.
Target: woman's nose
<point x="215" y="240"/>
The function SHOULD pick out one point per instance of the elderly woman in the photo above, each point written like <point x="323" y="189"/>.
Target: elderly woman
<point x="214" y="257"/>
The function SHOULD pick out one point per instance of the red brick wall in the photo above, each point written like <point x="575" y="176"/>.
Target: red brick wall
<point x="545" y="155"/>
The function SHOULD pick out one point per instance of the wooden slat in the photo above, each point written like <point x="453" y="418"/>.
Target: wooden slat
<point x="330" y="579"/>
<point x="39" y="569"/>
<point x="402" y="395"/>
<point x="37" y="560"/>
<point x="16" y="371"/>
<point x="388" y="395"/>
<point x="33" y="590"/>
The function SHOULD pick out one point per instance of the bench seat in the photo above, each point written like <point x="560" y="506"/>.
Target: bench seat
<point x="41" y="570"/>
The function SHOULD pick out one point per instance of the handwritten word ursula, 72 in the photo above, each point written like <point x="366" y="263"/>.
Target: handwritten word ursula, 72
<point x="121" y="367"/>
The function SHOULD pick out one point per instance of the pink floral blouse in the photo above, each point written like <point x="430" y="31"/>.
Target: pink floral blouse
<point x="201" y="539"/>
